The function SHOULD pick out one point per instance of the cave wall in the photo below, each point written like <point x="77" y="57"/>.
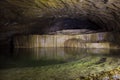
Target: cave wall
<point x="36" y="16"/>
<point x="93" y="40"/>
<point x="105" y="13"/>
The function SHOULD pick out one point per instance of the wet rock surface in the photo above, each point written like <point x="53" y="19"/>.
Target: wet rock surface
<point x="104" y="75"/>
<point x="69" y="38"/>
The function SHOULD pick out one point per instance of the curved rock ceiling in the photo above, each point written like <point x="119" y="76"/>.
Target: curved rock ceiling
<point x="27" y="14"/>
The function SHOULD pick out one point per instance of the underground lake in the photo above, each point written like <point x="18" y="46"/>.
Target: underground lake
<point x="59" y="64"/>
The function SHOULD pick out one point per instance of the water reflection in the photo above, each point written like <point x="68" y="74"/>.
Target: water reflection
<point x="50" y="53"/>
<point x="57" y="53"/>
<point x="47" y="56"/>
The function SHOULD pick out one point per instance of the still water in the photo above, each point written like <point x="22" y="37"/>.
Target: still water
<point x="51" y="61"/>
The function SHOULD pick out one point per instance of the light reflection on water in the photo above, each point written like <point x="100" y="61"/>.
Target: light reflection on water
<point x="57" y="53"/>
<point x="48" y="56"/>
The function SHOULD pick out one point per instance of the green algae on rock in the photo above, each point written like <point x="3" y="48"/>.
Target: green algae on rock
<point x="85" y="68"/>
<point x="104" y="75"/>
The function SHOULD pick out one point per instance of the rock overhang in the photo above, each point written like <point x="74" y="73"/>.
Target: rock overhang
<point x="40" y="16"/>
<point x="104" y="13"/>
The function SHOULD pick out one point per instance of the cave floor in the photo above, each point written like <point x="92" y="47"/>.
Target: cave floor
<point x="70" y="64"/>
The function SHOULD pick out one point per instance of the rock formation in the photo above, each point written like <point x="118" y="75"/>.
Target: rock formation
<point x="102" y="12"/>
<point x="65" y="39"/>
<point x="39" y="16"/>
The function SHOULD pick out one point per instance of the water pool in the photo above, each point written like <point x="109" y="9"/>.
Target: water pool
<point x="59" y="64"/>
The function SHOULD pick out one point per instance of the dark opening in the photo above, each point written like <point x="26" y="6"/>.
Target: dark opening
<point x="73" y="23"/>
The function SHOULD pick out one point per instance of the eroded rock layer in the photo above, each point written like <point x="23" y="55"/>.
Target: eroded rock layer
<point x="93" y="40"/>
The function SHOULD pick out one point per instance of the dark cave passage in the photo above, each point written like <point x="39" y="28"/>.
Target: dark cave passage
<point x="73" y="23"/>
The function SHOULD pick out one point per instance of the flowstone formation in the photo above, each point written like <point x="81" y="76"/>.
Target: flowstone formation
<point x="82" y="38"/>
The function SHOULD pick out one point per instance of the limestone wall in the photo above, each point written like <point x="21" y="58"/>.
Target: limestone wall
<point x="94" y="40"/>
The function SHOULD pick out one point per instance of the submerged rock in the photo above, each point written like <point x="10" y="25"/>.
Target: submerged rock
<point x="107" y="75"/>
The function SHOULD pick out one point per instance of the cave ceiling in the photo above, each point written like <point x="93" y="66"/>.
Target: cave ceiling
<point x="30" y="15"/>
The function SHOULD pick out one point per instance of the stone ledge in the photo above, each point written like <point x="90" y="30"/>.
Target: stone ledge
<point x="93" y="40"/>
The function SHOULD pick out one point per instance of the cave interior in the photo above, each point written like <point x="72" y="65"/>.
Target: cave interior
<point x="93" y="25"/>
